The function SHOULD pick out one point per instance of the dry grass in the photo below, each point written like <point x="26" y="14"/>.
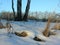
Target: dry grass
<point x="1" y="26"/>
<point x="22" y="34"/>
<point x="47" y="32"/>
<point x="9" y="27"/>
<point x="57" y="25"/>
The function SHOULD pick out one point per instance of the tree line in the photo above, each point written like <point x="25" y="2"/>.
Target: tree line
<point x="39" y="16"/>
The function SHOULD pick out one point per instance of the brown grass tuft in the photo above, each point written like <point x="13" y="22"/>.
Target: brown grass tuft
<point x="22" y="34"/>
<point x="47" y="32"/>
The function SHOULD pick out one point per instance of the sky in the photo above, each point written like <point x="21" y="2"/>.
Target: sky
<point x="36" y="5"/>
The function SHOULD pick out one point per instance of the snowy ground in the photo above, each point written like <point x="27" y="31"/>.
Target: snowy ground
<point x="33" y="29"/>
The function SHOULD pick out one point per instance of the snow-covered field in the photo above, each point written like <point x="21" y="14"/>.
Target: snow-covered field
<point x="33" y="29"/>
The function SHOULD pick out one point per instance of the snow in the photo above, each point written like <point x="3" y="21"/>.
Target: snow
<point x="32" y="28"/>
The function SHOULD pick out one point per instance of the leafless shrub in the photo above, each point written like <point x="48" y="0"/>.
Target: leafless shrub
<point x="57" y="25"/>
<point x="47" y="32"/>
<point x="1" y="26"/>
<point x="9" y="27"/>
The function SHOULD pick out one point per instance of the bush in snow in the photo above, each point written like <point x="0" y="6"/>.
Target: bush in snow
<point x="9" y="28"/>
<point x="1" y="26"/>
<point x="22" y="34"/>
<point x="38" y="39"/>
<point x="56" y="27"/>
<point x="47" y="32"/>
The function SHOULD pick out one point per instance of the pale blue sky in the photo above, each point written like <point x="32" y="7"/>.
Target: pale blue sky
<point x="36" y="5"/>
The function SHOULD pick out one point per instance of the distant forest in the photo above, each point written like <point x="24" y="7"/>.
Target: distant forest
<point x="37" y="16"/>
